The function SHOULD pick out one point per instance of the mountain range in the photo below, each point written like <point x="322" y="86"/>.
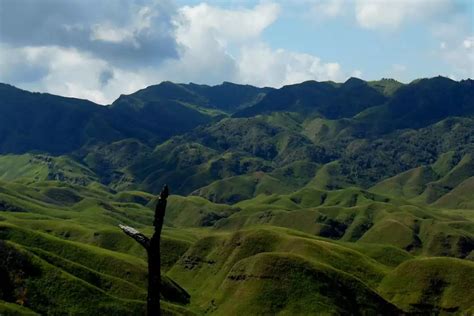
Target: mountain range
<point x="317" y="197"/>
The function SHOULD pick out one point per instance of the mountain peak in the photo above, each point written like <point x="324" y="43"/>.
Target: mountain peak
<point x="354" y="82"/>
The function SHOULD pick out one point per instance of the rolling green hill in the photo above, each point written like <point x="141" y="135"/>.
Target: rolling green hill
<point x="69" y="243"/>
<point x="272" y="271"/>
<point x="39" y="167"/>
<point x="426" y="286"/>
<point x="311" y="247"/>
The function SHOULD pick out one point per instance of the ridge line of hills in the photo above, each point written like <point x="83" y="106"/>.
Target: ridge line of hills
<point x="36" y="121"/>
<point x="264" y="140"/>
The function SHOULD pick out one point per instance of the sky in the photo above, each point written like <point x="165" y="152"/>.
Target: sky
<point x="99" y="49"/>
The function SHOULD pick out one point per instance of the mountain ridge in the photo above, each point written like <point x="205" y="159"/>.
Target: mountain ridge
<point x="158" y="112"/>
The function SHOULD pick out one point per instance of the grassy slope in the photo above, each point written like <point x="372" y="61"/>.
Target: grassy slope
<point x="386" y="86"/>
<point x="33" y="168"/>
<point x="255" y="271"/>
<point x="291" y="285"/>
<point x="81" y="240"/>
<point x="49" y="290"/>
<point x="238" y="188"/>
<point x="52" y="285"/>
<point x="240" y="266"/>
<point x="11" y="309"/>
<point x="72" y="230"/>
<point x="445" y="183"/>
<point x="431" y="285"/>
<point x="78" y="245"/>
<point x="358" y="215"/>
<point x="459" y="197"/>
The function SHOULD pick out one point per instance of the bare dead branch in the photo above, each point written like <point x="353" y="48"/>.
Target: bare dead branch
<point x="135" y="234"/>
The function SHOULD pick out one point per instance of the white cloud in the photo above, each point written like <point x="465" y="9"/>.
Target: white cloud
<point x="460" y="56"/>
<point x="67" y="72"/>
<point x="126" y="32"/>
<point x="207" y="34"/>
<point x="260" y="65"/>
<point x="224" y="25"/>
<point x="357" y="73"/>
<point x="391" y="14"/>
<point x="109" y="33"/>
<point x="457" y="44"/>
<point x="469" y="42"/>
<point x="447" y="20"/>
<point x="226" y="45"/>
<point x="141" y="20"/>
<point x="327" y="8"/>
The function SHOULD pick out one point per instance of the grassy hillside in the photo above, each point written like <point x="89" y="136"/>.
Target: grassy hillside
<point x="441" y="184"/>
<point x="33" y="168"/>
<point x="387" y="86"/>
<point x="238" y="188"/>
<point x="222" y="254"/>
<point x="49" y="284"/>
<point x="297" y="151"/>
<point x="241" y="268"/>
<point x="428" y="286"/>
<point x="73" y="246"/>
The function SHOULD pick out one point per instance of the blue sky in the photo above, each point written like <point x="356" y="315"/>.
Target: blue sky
<point x="407" y="50"/>
<point x="101" y="49"/>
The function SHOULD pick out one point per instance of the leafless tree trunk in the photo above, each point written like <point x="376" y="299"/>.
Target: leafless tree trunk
<point x="152" y="247"/>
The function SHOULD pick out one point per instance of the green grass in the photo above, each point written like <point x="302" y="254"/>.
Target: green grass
<point x="445" y="184"/>
<point x="431" y="285"/>
<point x="359" y="216"/>
<point x="329" y="177"/>
<point x="209" y="270"/>
<point x="407" y="185"/>
<point x="345" y="243"/>
<point x="48" y="289"/>
<point x="115" y="281"/>
<point x="77" y="239"/>
<point x="437" y="189"/>
<point x="195" y="211"/>
<point x="459" y="197"/>
<point x="288" y="284"/>
<point x="235" y="189"/>
<point x="12" y="309"/>
<point x="30" y="168"/>
<point x="386" y="86"/>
